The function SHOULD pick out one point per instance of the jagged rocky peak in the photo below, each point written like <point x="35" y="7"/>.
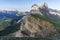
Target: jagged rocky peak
<point x="44" y="5"/>
<point x="34" y="7"/>
<point x="37" y="9"/>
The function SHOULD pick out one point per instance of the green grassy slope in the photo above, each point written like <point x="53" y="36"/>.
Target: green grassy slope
<point x="4" y="23"/>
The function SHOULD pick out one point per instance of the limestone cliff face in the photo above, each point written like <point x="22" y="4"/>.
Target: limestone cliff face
<point x="33" y="27"/>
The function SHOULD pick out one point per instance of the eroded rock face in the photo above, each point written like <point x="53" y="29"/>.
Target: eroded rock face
<point x="33" y="27"/>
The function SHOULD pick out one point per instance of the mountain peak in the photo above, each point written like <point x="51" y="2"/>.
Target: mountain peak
<point x="44" y="5"/>
<point x="35" y="7"/>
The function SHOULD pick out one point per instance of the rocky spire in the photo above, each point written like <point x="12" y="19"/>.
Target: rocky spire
<point x="35" y="7"/>
<point x="44" y="5"/>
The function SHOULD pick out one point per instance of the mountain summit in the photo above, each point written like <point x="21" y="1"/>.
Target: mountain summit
<point x="44" y="5"/>
<point x="35" y="7"/>
<point x="38" y="9"/>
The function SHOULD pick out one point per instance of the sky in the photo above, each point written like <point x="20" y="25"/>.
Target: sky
<point x="25" y="5"/>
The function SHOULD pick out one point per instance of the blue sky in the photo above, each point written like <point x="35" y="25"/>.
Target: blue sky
<point x="25" y="5"/>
